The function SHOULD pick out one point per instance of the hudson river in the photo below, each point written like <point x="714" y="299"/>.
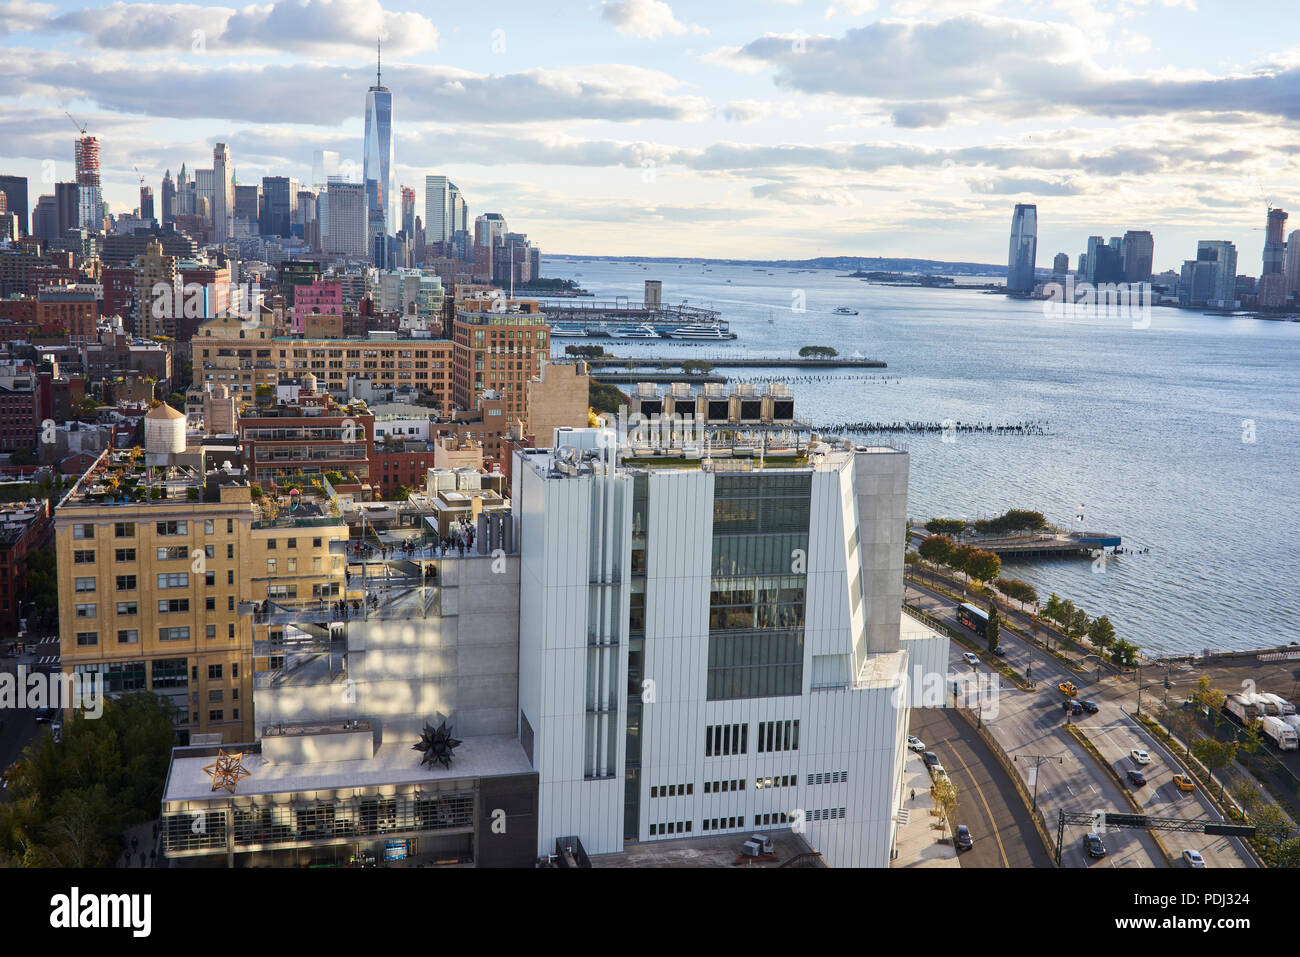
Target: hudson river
<point x="1183" y="437"/>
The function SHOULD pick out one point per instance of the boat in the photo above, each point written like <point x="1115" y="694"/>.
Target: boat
<point x="643" y="331"/>
<point x="844" y="311"/>
<point x="709" y="333"/>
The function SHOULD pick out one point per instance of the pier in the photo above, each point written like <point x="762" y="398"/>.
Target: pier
<point x="1047" y="545"/>
<point x="772" y="363"/>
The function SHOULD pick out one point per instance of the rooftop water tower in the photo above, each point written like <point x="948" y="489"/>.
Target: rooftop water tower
<point x="164" y="435"/>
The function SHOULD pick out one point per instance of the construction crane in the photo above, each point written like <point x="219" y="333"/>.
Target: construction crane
<point x="138" y="173"/>
<point x="81" y="127"/>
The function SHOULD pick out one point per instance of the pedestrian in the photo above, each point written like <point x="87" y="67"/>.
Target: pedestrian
<point x="913" y="794"/>
<point x="142" y="858"/>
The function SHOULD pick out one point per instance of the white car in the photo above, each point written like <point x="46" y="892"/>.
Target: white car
<point x="1193" y="858"/>
<point x="915" y="743"/>
<point x="971" y="659"/>
<point x="938" y="772"/>
<point x="1140" y="756"/>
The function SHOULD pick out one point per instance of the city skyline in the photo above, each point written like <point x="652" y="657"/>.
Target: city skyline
<point x="677" y="116"/>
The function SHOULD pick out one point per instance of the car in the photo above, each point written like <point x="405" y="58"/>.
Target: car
<point x="965" y="842"/>
<point x="1184" y="782"/>
<point x="1090" y="707"/>
<point x="1193" y="858"/>
<point x="1067" y="687"/>
<point x="1140" y="756"/>
<point x="1000" y="651"/>
<point x="930" y="758"/>
<point x="915" y="743"/>
<point x="1137" y="779"/>
<point x="44" y="715"/>
<point x="1072" y="707"/>
<point x="971" y="659"/>
<point x="1092" y="845"/>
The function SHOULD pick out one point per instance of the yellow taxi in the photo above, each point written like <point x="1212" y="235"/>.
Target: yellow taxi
<point x="1184" y="782"/>
<point x="1068" y="688"/>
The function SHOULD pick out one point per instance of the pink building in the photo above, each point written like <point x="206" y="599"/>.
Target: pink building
<point x="322" y="297"/>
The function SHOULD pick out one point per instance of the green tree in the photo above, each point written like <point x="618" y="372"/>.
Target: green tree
<point x="697" y="367"/>
<point x="1078" y="624"/>
<point x="936" y="548"/>
<point x="945" y="526"/>
<point x="1101" y="632"/>
<point x="1020" y="591"/>
<point x="402" y="493"/>
<point x="817" y="352"/>
<point x="983" y="566"/>
<point x="991" y="631"/>
<point x="1052" y="609"/>
<point x="944" y="793"/>
<point x="1214" y="754"/>
<point x="1124" y="653"/>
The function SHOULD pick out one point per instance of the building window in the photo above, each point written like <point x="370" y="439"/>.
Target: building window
<point x="168" y="606"/>
<point x="124" y="555"/>
<point x="209" y="527"/>
<point x="217" y="715"/>
<point x="124" y="529"/>
<point x="87" y="638"/>
<point x="80" y="531"/>
<point x="724" y="739"/>
<point x="174" y="580"/>
<point x="778" y="736"/>
<point x="127" y="608"/>
<point x="85" y="584"/>
<point x="87" y="611"/>
<point x="181" y="633"/>
<point x="83" y="557"/>
<point x="128" y="636"/>
<point x="126" y="583"/>
<point x="173" y="528"/>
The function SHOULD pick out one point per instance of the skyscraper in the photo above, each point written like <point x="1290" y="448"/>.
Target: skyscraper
<point x="1293" y="263"/>
<point x="377" y="167"/>
<point x="1061" y="264"/>
<point x="324" y="164"/>
<point x="168" y="197"/>
<point x="437" y="220"/>
<point x="15" y="190"/>
<point x="408" y="211"/>
<point x="223" y="195"/>
<point x="1138" y="250"/>
<point x="90" y="201"/>
<point x="67" y="206"/>
<point x="146" y="203"/>
<point x="45" y="219"/>
<point x="1224" y="255"/>
<point x="1023" y="254"/>
<point x="347" y="220"/>
<point x="278" y="194"/>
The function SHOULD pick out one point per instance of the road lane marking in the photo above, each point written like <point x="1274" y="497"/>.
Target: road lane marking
<point x="987" y="810"/>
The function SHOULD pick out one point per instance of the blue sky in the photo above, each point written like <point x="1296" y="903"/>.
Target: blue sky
<point x="766" y="128"/>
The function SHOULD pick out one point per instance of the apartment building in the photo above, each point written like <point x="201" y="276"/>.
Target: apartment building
<point x="500" y="344"/>
<point x="159" y="559"/>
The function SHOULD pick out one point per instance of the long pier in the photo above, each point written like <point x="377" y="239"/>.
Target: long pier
<point x="660" y="378"/>
<point x="773" y="363"/>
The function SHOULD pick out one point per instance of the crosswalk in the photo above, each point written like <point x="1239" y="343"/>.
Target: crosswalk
<point x="48" y="660"/>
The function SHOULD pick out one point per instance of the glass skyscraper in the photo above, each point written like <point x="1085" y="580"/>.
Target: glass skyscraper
<point x="377" y="170"/>
<point x="1024" y="248"/>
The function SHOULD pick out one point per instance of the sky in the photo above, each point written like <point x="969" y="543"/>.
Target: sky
<point x="736" y="129"/>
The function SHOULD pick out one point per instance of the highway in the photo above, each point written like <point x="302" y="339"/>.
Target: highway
<point x="1031" y="724"/>
<point x="987" y="801"/>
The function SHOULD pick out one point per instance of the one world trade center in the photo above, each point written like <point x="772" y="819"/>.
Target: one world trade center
<point x="378" y="171"/>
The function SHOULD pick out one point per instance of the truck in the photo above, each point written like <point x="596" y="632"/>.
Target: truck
<point x="1266" y="704"/>
<point x="1284" y="707"/>
<point x="1293" y="720"/>
<point x="1280" y="733"/>
<point x="1242" y="707"/>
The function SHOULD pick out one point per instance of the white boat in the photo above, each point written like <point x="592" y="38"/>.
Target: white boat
<point x="844" y="311"/>
<point x="643" y="331"/>
<point x="708" y="333"/>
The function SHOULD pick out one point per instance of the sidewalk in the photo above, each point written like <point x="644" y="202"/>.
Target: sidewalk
<point x="919" y="835"/>
<point x="145" y="842"/>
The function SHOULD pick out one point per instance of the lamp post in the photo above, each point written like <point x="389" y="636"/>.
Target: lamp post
<point x="1038" y="760"/>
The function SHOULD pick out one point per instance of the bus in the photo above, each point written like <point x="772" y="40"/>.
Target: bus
<point x="973" y="618"/>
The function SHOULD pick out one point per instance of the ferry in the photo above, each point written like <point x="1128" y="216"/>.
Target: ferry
<point x="643" y="331"/>
<point x="709" y="333"/>
<point x="844" y="311"/>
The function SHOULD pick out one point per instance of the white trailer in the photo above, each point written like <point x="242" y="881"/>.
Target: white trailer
<point x="1280" y="733"/>
<point x="1265" y="705"/>
<point x="1293" y="720"/>
<point x="1284" y="707"/>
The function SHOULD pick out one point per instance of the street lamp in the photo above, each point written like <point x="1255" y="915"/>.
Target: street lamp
<point x="1037" y="759"/>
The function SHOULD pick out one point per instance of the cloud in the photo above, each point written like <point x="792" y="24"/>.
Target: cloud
<point x="850" y="8"/>
<point x="324" y="94"/>
<point x="315" y="27"/>
<point x="1010" y="185"/>
<point x="647" y="19"/>
<point x="978" y="64"/>
<point x="916" y="116"/>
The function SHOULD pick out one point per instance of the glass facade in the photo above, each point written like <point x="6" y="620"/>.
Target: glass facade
<point x="756" y="602"/>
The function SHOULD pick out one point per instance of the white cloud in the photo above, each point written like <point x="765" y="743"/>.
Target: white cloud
<point x="647" y="19"/>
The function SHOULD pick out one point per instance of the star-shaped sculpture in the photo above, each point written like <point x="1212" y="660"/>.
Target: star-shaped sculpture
<point x="227" y="771"/>
<point x="437" y="744"/>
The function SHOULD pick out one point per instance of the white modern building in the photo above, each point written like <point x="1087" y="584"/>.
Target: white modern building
<point x="346" y="215"/>
<point x="438" y="210"/>
<point x="718" y="648"/>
